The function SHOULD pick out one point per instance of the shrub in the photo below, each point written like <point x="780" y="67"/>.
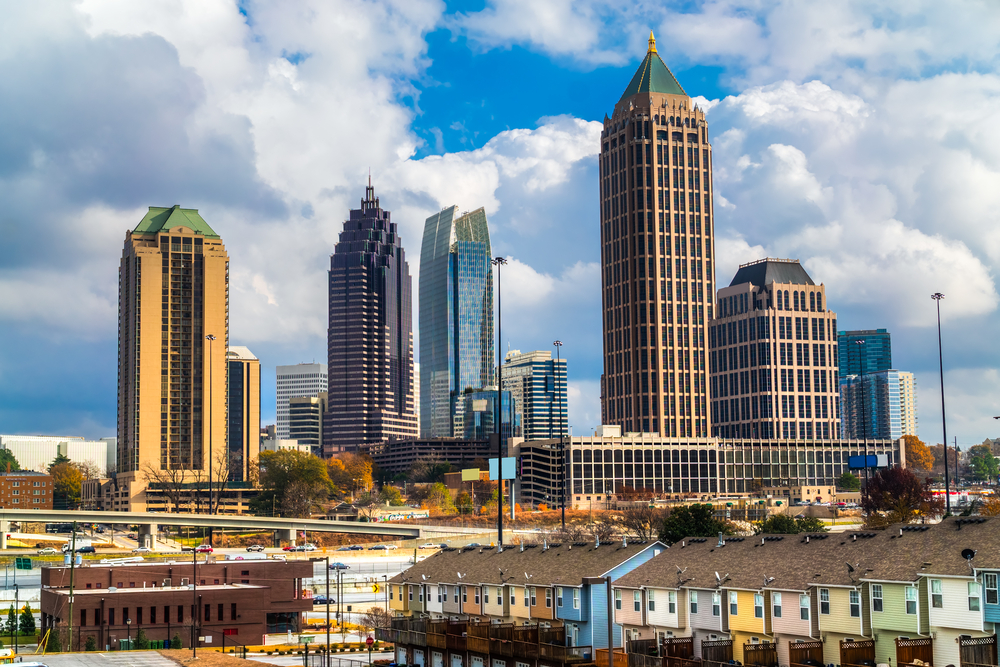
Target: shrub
<point x="91" y="644"/>
<point x="141" y="640"/>
<point x="176" y="642"/>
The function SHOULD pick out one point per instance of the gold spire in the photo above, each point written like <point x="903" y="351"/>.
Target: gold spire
<point x="652" y="42"/>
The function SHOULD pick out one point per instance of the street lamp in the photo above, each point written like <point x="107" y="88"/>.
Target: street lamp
<point x="128" y="632"/>
<point x="210" y="338"/>
<point x="937" y="296"/>
<point x="499" y="262"/>
<point x="562" y="436"/>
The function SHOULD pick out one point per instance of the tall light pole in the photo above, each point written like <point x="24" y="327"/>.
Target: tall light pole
<point x="864" y="419"/>
<point x="499" y="262"/>
<point x="211" y="339"/>
<point x="560" y="395"/>
<point x="937" y="296"/>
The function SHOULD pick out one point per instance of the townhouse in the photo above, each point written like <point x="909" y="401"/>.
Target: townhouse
<point x="535" y="605"/>
<point x="906" y="595"/>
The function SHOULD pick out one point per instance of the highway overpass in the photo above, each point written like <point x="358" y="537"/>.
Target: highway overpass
<point x="149" y="521"/>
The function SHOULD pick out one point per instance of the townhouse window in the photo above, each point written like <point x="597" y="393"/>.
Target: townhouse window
<point x="456" y="594"/>
<point x="716" y="604"/>
<point x="776" y="605"/>
<point x="636" y="600"/>
<point x="733" y="604"/>
<point x="499" y="595"/>
<point x="910" y="599"/>
<point x="534" y="600"/>
<point x="548" y="598"/>
<point x="420" y="591"/>
<point x="476" y="596"/>
<point x="694" y="602"/>
<point x="465" y="594"/>
<point x="804" y="607"/>
<point x="559" y="594"/>
<point x="758" y="605"/>
<point x="876" y="597"/>
<point x="409" y="593"/>
<point x="392" y="595"/>
<point x="672" y="602"/>
<point x="650" y="601"/>
<point x="440" y="599"/>
<point x="486" y="594"/>
<point x="973" y="596"/>
<point x="576" y="598"/>
<point x="527" y="597"/>
<point x="824" y="601"/>
<point x="618" y="599"/>
<point x="513" y="597"/>
<point x="855" y="600"/>
<point x="990" y="584"/>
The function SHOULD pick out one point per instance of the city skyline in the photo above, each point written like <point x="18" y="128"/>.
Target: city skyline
<point x="814" y="135"/>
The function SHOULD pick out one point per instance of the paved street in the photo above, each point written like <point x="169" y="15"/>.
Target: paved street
<point x="123" y="659"/>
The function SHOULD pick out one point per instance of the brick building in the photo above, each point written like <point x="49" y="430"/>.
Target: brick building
<point x="26" y="490"/>
<point x="239" y="600"/>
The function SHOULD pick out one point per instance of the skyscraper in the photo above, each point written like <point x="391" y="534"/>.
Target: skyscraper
<point x="456" y="318"/>
<point x="657" y="246"/>
<point x="879" y="405"/>
<point x="173" y="292"/>
<point x="537" y="384"/>
<point x="864" y="351"/>
<point x="305" y="419"/>
<point x="297" y="380"/>
<point x="244" y="411"/>
<point x="773" y="359"/>
<point x="370" y="339"/>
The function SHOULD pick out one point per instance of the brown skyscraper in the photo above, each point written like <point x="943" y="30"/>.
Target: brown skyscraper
<point x="657" y="247"/>
<point x="173" y="291"/>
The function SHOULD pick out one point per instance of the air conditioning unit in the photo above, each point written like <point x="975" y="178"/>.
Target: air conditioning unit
<point x="168" y="582"/>
<point x="184" y="582"/>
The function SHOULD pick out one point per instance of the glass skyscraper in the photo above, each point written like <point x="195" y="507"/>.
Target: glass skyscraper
<point x="537" y="383"/>
<point x="456" y="318"/>
<point x="878" y="405"/>
<point x="864" y="351"/>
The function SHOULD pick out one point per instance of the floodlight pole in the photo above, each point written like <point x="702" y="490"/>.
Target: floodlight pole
<point x="499" y="262"/>
<point x="560" y="396"/>
<point x="937" y="296"/>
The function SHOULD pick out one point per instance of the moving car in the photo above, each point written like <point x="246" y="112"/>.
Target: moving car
<point x="345" y="549"/>
<point x="48" y="551"/>
<point x="430" y="546"/>
<point x="131" y="536"/>
<point x="319" y="599"/>
<point x="307" y="547"/>
<point x="142" y="550"/>
<point x="255" y="547"/>
<point x="339" y="566"/>
<point x="382" y="547"/>
<point x="204" y="549"/>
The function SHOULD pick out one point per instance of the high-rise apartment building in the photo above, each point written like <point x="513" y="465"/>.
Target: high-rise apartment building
<point x="864" y="351"/>
<point x="879" y="405"/>
<point x="292" y="381"/>
<point x="173" y="334"/>
<point x="657" y="246"/>
<point x="370" y="339"/>
<point x="456" y="318"/>
<point x="773" y="359"/>
<point x="306" y="414"/>
<point x="537" y="384"/>
<point x="244" y="411"/>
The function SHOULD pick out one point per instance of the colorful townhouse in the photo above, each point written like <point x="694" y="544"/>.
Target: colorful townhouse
<point x="540" y="605"/>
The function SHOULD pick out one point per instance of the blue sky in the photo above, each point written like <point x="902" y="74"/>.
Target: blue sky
<point x="861" y="137"/>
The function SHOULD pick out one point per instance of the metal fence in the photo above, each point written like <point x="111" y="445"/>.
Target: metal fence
<point x="324" y="660"/>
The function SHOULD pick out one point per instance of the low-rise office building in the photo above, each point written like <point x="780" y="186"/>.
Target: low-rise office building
<point x="240" y="601"/>
<point x="26" y="490"/>
<point x="398" y="456"/>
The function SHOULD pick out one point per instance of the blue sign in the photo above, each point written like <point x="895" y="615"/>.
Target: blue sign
<point x="506" y="468"/>
<point x="870" y="461"/>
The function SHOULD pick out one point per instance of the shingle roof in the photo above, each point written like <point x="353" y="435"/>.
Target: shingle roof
<point x="653" y="76"/>
<point x="160" y="219"/>
<point x="565" y="564"/>
<point x="900" y="553"/>
<point x="767" y="271"/>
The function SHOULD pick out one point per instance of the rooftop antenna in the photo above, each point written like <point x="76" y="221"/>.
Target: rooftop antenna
<point x="545" y="544"/>
<point x="968" y="555"/>
<point x="722" y="541"/>
<point x="624" y="541"/>
<point x="460" y="575"/>
<point x="597" y="541"/>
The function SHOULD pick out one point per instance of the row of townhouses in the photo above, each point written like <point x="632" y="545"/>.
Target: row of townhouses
<point x="909" y="596"/>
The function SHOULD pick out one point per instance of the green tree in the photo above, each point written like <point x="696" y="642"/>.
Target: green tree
<point x="984" y="464"/>
<point x="59" y="460"/>
<point x="54" y="644"/>
<point x="176" y="642"/>
<point x="6" y="458"/>
<point x="437" y="497"/>
<point x="27" y="621"/>
<point x="692" y="521"/>
<point x="464" y="503"/>
<point x="141" y="641"/>
<point x="810" y="524"/>
<point x="390" y="495"/>
<point x="91" y="644"/>
<point x="279" y="471"/>
<point x="778" y="524"/>
<point x="849" y="481"/>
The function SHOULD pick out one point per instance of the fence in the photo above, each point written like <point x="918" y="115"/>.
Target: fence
<point x="805" y="653"/>
<point x="764" y="654"/>
<point x="324" y="660"/>
<point x="601" y="657"/>
<point x="909" y="650"/>
<point x="857" y="653"/>
<point x="720" y="650"/>
<point x="978" y="651"/>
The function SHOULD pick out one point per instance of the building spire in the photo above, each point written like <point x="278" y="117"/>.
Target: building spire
<point x="652" y="42"/>
<point x="370" y="198"/>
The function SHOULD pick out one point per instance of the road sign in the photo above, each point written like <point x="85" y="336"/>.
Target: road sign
<point x="369" y="641"/>
<point x="374" y="588"/>
<point x="22" y="563"/>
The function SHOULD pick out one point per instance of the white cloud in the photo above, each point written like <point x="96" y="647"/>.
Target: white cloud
<point x="583" y="399"/>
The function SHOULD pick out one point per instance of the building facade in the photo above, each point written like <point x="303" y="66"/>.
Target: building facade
<point x="173" y="295"/>
<point x="537" y="385"/>
<point x="244" y="411"/>
<point x="297" y="380"/>
<point x="306" y="414"/>
<point x="480" y="413"/>
<point x="657" y="247"/>
<point x="864" y="351"/>
<point x="370" y="338"/>
<point x="773" y="359"/>
<point x="26" y="490"/>
<point x="398" y="456"/>
<point x="879" y="405"/>
<point x="456" y="317"/>
<point x="36" y="452"/>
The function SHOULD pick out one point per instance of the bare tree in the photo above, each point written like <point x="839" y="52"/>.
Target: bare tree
<point x="606" y="528"/>
<point x="169" y="482"/>
<point x="88" y="469"/>
<point x="644" y="522"/>
<point x="366" y="505"/>
<point x="301" y="498"/>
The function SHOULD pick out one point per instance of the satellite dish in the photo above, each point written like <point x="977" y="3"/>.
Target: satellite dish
<point x="967" y="554"/>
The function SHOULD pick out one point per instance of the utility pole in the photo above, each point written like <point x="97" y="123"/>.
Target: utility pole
<point x="72" y="581"/>
<point x="328" y="608"/>
<point x="194" y="603"/>
<point x="211" y="339"/>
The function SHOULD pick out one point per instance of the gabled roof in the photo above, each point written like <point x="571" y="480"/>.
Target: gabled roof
<point x="653" y="76"/>
<point x="160" y="219"/>
<point x="558" y="565"/>
<point x="766" y="271"/>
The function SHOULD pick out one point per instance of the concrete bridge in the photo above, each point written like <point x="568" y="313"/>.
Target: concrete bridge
<point x="149" y="522"/>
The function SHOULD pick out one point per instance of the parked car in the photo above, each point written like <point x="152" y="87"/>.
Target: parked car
<point x="319" y="599"/>
<point x="255" y="547"/>
<point x="48" y="551"/>
<point x="204" y="549"/>
<point x="474" y="545"/>
<point x="339" y="566"/>
<point x="142" y="550"/>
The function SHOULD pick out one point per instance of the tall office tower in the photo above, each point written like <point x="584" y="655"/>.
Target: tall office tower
<point x="480" y="414"/>
<point x="173" y="291"/>
<point x="878" y="405"/>
<point x="306" y="414"/>
<point x="864" y="351"/>
<point x="370" y="339"/>
<point x="244" y="411"/>
<point x="292" y="381"/>
<point x="657" y="246"/>
<point x="773" y="361"/>
<point x="537" y="384"/>
<point x="456" y="318"/>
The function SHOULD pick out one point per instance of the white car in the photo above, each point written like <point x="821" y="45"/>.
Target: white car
<point x="429" y="546"/>
<point x="142" y="550"/>
<point x="308" y="547"/>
